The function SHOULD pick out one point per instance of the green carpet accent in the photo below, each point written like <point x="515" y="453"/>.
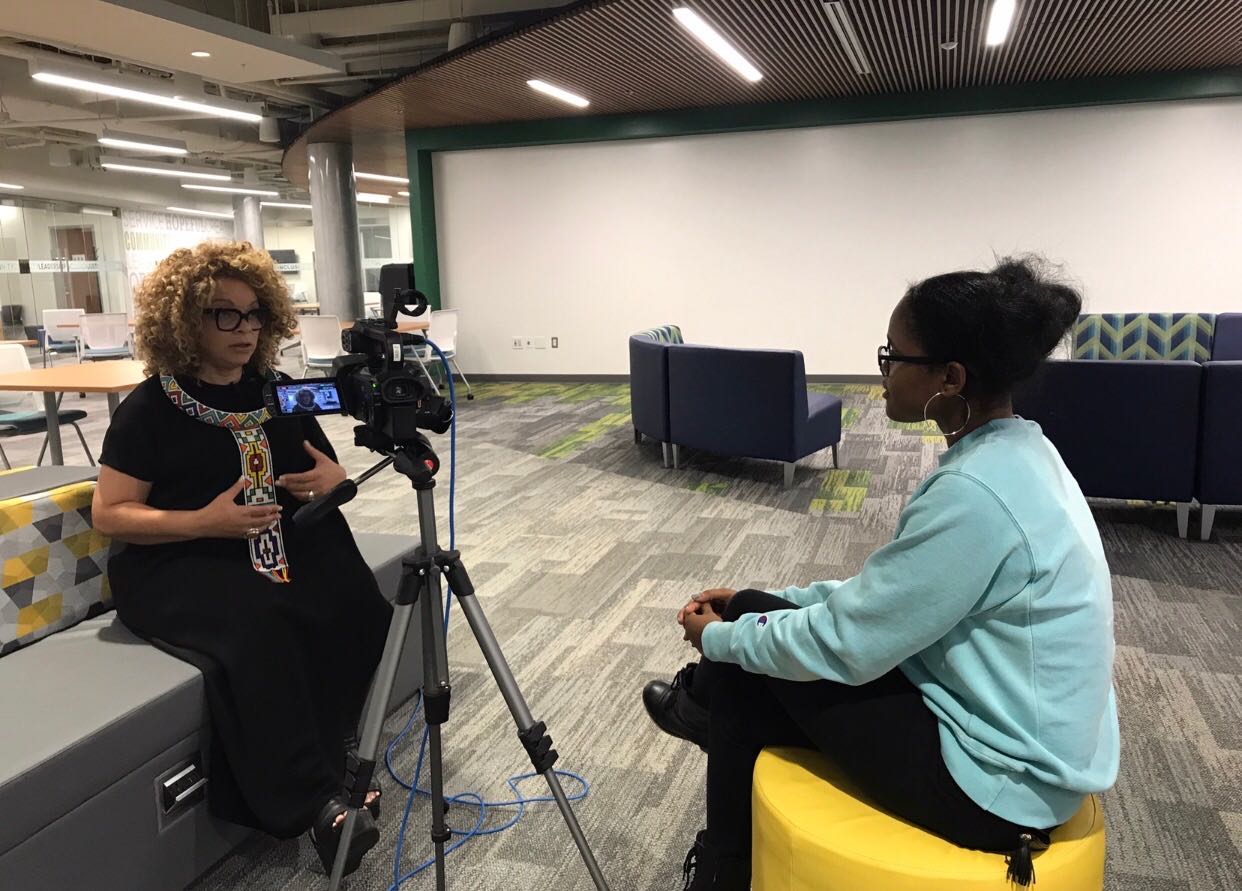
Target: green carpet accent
<point x="587" y="434"/>
<point x="518" y="393"/>
<point x="843" y="491"/>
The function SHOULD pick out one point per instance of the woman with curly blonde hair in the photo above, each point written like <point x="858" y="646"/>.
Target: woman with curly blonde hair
<point x="287" y="623"/>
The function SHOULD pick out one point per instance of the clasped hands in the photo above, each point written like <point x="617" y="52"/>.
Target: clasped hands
<point x="701" y="611"/>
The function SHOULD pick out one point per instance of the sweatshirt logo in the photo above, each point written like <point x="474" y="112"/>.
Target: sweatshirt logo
<point x="762" y="620"/>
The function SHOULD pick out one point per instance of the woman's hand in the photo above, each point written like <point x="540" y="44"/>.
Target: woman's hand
<point x="225" y="519"/>
<point x="323" y="477"/>
<point x="694" y="625"/>
<point x="716" y="598"/>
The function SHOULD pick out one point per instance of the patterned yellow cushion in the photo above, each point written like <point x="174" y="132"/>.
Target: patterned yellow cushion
<point x="52" y="563"/>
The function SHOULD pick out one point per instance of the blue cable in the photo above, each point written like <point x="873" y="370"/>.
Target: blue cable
<point x="519" y="801"/>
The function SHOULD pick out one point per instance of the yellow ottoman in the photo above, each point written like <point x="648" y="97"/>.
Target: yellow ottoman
<point x="812" y="834"/>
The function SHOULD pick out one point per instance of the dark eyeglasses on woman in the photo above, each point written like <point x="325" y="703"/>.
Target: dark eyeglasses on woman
<point x="231" y="319"/>
<point x="885" y="357"/>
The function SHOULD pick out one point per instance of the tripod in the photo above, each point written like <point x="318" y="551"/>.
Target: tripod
<point x="420" y="584"/>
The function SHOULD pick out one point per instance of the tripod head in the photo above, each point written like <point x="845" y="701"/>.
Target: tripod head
<point x="412" y="457"/>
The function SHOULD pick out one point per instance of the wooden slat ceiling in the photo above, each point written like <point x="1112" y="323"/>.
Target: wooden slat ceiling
<point x="631" y="56"/>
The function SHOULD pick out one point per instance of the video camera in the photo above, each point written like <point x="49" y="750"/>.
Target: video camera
<point x="374" y="383"/>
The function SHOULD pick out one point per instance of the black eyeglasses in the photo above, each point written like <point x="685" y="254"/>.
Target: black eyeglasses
<point x="885" y="356"/>
<point x="231" y="319"/>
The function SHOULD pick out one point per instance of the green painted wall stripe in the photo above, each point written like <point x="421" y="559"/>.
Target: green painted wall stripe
<point x="423" y="225"/>
<point x="1083" y="92"/>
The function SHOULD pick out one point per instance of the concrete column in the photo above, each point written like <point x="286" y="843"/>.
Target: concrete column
<point x="248" y="220"/>
<point x="334" y="215"/>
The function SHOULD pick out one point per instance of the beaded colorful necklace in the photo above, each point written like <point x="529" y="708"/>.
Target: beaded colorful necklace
<point x="267" y="549"/>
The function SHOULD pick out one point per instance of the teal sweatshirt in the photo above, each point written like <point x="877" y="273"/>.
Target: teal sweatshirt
<point x="994" y="599"/>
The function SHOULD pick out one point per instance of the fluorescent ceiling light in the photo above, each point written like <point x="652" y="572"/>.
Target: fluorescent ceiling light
<point x="143" y="143"/>
<point x="404" y="194"/>
<point x="557" y="93"/>
<point x="374" y="198"/>
<point x="201" y="54"/>
<point x="999" y="21"/>
<point x="98" y="211"/>
<point x="162" y="168"/>
<point x="844" y="29"/>
<point x="201" y="213"/>
<point x="232" y="190"/>
<point x="712" y="39"/>
<point x="291" y="204"/>
<point x="382" y="178"/>
<point x="100" y="85"/>
<point x="10" y="186"/>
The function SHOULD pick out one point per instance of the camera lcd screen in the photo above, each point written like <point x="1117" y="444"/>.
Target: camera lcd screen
<point x="318" y="397"/>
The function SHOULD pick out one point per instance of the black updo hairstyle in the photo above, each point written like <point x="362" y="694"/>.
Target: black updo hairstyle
<point x="1001" y="324"/>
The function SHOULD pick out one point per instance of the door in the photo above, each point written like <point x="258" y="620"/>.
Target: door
<point x="77" y="288"/>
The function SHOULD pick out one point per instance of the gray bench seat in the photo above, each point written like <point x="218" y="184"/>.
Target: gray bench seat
<point x="92" y="719"/>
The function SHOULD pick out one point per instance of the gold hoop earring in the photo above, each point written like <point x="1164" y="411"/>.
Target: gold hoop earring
<point x="965" y="423"/>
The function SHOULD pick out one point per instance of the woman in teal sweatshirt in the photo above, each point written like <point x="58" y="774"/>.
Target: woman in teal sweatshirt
<point x="963" y="678"/>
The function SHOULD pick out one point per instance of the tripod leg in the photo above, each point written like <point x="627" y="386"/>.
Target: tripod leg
<point x="525" y="721"/>
<point x="436" y="698"/>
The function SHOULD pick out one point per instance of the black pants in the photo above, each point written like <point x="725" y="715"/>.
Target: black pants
<point x="881" y="734"/>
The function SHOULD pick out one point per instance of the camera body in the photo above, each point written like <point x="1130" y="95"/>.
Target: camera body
<point x="377" y="386"/>
<point x="373" y="382"/>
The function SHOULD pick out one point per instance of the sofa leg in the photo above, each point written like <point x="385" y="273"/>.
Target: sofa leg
<point x="668" y="452"/>
<point x="1183" y="518"/>
<point x="638" y="437"/>
<point x="789" y="474"/>
<point x="1209" y="517"/>
<point x="835" y="465"/>
<point x="676" y="456"/>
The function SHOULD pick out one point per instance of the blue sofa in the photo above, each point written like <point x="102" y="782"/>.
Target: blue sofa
<point x="1133" y="414"/>
<point x="737" y="402"/>
<point x="1220" y="437"/>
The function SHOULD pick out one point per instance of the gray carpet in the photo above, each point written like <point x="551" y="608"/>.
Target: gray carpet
<point x="582" y="546"/>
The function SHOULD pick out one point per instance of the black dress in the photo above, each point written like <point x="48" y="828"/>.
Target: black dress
<point x="287" y="666"/>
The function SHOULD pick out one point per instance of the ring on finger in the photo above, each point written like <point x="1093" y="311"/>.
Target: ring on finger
<point x="252" y="533"/>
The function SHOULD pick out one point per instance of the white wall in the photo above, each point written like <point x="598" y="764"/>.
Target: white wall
<point x="806" y="239"/>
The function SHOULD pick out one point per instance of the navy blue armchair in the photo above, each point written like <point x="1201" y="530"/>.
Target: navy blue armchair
<point x="1220" y="436"/>
<point x="1125" y="429"/>
<point x="748" y="404"/>
<point x="649" y="384"/>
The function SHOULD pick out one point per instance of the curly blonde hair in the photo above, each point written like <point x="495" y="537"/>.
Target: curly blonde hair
<point x="170" y="301"/>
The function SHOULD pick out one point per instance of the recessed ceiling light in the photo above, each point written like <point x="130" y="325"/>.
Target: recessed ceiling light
<point x="137" y="143"/>
<point x="232" y="190"/>
<point x="201" y="54"/>
<point x="201" y="213"/>
<point x="557" y="93"/>
<point x="162" y="168"/>
<point x="839" y="19"/>
<point x="290" y="204"/>
<point x="373" y="198"/>
<point x="106" y="84"/>
<point x="10" y="186"/>
<point x="381" y="177"/>
<point x="712" y="39"/>
<point x="999" y="21"/>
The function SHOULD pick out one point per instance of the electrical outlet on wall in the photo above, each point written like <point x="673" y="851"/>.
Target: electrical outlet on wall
<point x="528" y="343"/>
<point x="517" y="343"/>
<point x="556" y="343"/>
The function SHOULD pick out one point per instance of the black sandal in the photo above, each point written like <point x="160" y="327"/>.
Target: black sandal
<point x="326" y="837"/>
<point x="351" y="748"/>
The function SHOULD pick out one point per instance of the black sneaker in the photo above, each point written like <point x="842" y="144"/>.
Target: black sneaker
<point x="706" y="870"/>
<point x="675" y="711"/>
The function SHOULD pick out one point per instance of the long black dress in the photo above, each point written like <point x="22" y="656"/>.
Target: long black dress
<point x="287" y="666"/>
